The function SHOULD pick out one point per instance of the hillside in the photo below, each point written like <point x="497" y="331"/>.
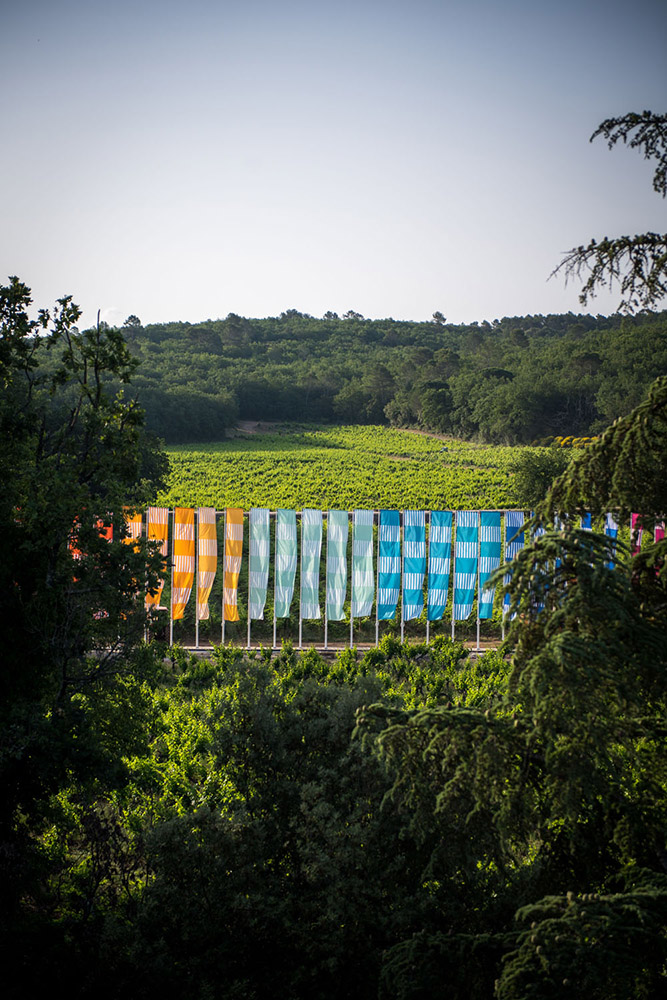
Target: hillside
<point x="516" y="380"/>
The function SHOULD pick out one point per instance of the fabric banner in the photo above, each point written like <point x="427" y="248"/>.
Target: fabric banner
<point x="611" y="531"/>
<point x="233" y="553"/>
<point x="489" y="559"/>
<point x="389" y="563"/>
<point x="133" y="527"/>
<point x="514" y="541"/>
<point x="337" y="533"/>
<point x="207" y="558"/>
<point x="158" y="526"/>
<point x="363" y="584"/>
<point x="183" y="549"/>
<point x="439" y="561"/>
<point x="414" y="563"/>
<point x="587" y="522"/>
<point x="285" y="568"/>
<point x="465" y="568"/>
<point x="659" y="531"/>
<point x="311" y="549"/>
<point x="636" y="533"/>
<point x="258" y="561"/>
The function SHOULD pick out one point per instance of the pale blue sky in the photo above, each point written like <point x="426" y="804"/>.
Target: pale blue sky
<point x="184" y="161"/>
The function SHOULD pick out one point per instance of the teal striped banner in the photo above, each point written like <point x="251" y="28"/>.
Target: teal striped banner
<point x="363" y="582"/>
<point x="337" y="534"/>
<point x="311" y="548"/>
<point x="489" y="559"/>
<point x="258" y="564"/>
<point x="285" y="561"/>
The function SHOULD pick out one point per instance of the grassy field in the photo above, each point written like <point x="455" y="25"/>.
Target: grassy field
<point x="340" y="467"/>
<point x="297" y="466"/>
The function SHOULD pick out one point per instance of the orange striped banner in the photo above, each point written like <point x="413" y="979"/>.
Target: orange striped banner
<point x="207" y="554"/>
<point x="233" y="551"/>
<point x="158" y="525"/>
<point x="184" y="559"/>
<point x="133" y="527"/>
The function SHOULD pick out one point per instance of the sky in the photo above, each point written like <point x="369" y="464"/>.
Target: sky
<point x="181" y="161"/>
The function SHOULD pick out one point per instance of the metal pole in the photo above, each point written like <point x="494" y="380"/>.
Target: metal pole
<point x="171" y="595"/>
<point x="326" y="592"/>
<point x="300" y="562"/>
<point x="275" y="572"/>
<point x="479" y="552"/>
<point x="224" y="569"/>
<point x="377" y="587"/>
<point x="454" y="526"/>
<point x="197" y="583"/>
<point x="428" y="560"/>
<point x="145" y="605"/>
<point x="402" y="526"/>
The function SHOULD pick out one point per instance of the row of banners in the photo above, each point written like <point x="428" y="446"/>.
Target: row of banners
<point x="404" y="561"/>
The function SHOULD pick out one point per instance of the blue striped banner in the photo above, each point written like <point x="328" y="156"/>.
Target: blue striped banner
<point x="439" y="560"/>
<point x="515" y="540"/>
<point x="489" y="559"/>
<point x="611" y="531"/>
<point x="389" y="563"/>
<point x="414" y="563"/>
<point x="465" y="570"/>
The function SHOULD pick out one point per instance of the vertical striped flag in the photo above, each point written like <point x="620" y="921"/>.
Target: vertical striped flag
<point x="414" y="563"/>
<point x="439" y="561"/>
<point x="285" y="568"/>
<point x="233" y="553"/>
<point x="363" y="584"/>
<point x="258" y="563"/>
<point x="636" y="533"/>
<point x="337" y="532"/>
<point x="158" y="526"/>
<point x="515" y="540"/>
<point x="311" y="548"/>
<point x="184" y="559"/>
<point x="465" y="570"/>
<point x="389" y="563"/>
<point x="587" y="522"/>
<point x="611" y="531"/>
<point x="207" y="558"/>
<point x="489" y="559"/>
<point x="133" y="527"/>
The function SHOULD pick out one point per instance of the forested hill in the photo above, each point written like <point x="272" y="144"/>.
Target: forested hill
<point x="518" y="379"/>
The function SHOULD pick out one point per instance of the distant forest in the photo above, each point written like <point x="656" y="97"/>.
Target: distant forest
<point x="515" y="380"/>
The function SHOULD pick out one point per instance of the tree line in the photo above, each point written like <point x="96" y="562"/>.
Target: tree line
<point x="515" y="380"/>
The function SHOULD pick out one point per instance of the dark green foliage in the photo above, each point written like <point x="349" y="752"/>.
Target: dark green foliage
<point x="638" y="264"/>
<point x="513" y="381"/>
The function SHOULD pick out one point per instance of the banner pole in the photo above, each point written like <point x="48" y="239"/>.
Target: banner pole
<point x="377" y="586"/>
<point x="427" y="517"/>
<point x="146" y="595"/>
<point x="479" y="555"/>
<point x="326" y="592"/>
<point x="224" y="569"/>
<point x="454" y="525"/>
<point x="300" y="565"/>
<point x="171" y="594"/>
<point x="197" y="582"/>
<point x="402" y="527"/>
<point x="275" y="573"/>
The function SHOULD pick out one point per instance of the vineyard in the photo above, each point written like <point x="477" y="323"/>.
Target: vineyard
<point x="370" y="467"/>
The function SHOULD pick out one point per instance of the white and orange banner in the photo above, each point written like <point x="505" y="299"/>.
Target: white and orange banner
<point x="207" y="556"/>
<point x="158" y="526"/>
<point x="133" y="527"/>
<point x="233" y="552"/>
<point x="184" y="560"/>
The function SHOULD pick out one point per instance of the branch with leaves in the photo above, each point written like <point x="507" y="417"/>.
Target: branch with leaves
<point x="638" y="264"/>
